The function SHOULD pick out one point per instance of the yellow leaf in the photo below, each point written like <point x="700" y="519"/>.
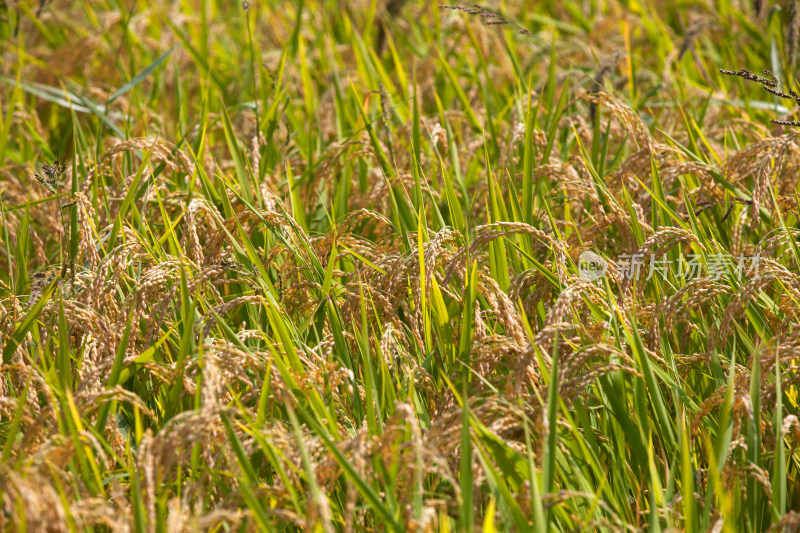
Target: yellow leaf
<point x="488" y="520"/>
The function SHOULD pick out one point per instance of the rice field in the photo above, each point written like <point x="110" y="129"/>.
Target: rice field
<point x="399" y="266"/>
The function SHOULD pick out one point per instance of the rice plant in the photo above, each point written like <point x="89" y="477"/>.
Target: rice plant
<point x="365" y="266"/>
